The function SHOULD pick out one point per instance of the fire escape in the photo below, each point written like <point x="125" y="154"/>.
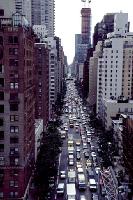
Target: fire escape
<point x="109" y="183"/>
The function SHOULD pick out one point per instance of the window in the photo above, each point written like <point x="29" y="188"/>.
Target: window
<point x="14" y="107"/>
<point x="14" y="129"/>
<point x="13" y="96"/>
<point x="13" y="183"/>
<point x="1" y="40"/>
<point x="1" y="195"/>
<point x="13" y="194"/>
<point x="13" y="39"/>
<point x="1" y="95"/>
<point x="1" y="82"/>
<point x="13" y="51"/>
<point x="1" y="147"/>
<point x="14" y="118"/>
<point x="14" y="140"/>
<point x="1" y="135"/>
<point x="1" y="161"/>
<point x="1" y="108"/>
<point x="14" y="172"/>
<point x="1" y="122"/>
<point x="13" y="85"/>
<point x="13" y="62"/>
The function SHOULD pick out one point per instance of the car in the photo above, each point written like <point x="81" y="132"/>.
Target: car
<point x="60" y="188"/>
<point x="71" y="162"/>
<point x="78" y="156"/>
<point x="79" y="165"/>
<point x="94" y="196"/>
<point x="78" y="149"/>
<point x="71" y="156"/>
<point x="66" y="128"/>
<point x="88" y="140"/>
<point x="92" y="147"/>
<point x="93" y="154"/>
<point x="90" y="172"/>
<point x="97" y="169"/>
<point x="80" y="170"/>
<point x="62" y="174"/>
<point x="82" y="197"/>
<point x="85" y="145"/>
<point x="86" y="154"/>
<point x="88" y="163"/>
<point x="77" y="143"/>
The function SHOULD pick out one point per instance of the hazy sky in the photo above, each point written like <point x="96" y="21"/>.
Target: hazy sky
<point x="68" y="18"/>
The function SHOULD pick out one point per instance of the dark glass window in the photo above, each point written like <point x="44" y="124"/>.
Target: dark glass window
<point x="14" y="107"/>
<point x="1" y="95"/>
<point x="13" y="140"/>
<point x="1" y="108"/>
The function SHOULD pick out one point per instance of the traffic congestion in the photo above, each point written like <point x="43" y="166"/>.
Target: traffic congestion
<point x="79" y="166"/>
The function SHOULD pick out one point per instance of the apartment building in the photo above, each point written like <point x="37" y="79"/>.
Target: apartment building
<point x="92" y="68"/>
<point x="114" y="78"/>
<point x="43" y="13"/>
<point x="17" y="108"/>
<point x="53" y="75"/>
<point x="42" y="82"/>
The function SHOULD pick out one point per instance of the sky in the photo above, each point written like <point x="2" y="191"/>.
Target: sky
<point x="68" y="19"/>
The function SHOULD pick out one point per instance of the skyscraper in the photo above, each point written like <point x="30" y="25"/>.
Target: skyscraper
<point x="86" y="25"/>
<point x="103" y="28"/>
<point x="43" y="14"/>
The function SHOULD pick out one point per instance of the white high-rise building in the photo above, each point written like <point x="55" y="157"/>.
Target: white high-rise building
<point x="115" y="72"/>
<point x="24" y="7"/>
<point x="43" y="14"/>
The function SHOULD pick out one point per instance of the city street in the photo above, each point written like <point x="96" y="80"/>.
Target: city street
<point x="79" y="131"/>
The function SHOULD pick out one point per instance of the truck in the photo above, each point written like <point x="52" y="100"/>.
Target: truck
<point x="92" y="184"/>
<point x="71" y="176"/>
<point x="81" y="181"/>
<point x="71" y="191"/>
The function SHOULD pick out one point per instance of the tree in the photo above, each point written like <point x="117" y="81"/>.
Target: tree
<point x="47" y="160"/>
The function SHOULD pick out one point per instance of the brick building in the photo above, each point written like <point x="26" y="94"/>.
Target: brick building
<point x="42" y="82"/>
<point x="17" y="107"/>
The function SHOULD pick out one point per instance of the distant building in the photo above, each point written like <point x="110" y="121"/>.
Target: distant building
<point x="43" y="13"/>
<point x="92" y="73"/>
<point x="86" y="25"/>
<point x="103" y="28"/>
<point x="42" y="82"/>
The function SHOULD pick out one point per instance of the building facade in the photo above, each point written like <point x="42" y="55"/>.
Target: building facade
<point x="42" y="82"/>
<point x="86" y="25"/>
<point x="17" y="109"/>
<point x="92" y="73"/>
<point x="115" y="65"/>
<point x="43" y="13"/>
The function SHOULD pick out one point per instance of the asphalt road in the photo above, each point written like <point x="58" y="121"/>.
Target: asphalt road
<point x="63" y="164"/>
